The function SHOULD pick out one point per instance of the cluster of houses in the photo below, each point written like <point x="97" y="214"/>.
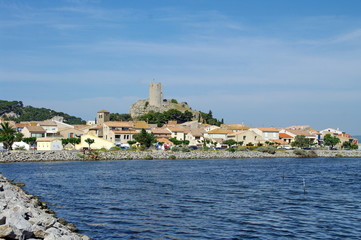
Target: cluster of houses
<point x="108" y="134"/>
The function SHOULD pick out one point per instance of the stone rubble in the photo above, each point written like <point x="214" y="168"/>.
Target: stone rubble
<point x="23" y="216"/>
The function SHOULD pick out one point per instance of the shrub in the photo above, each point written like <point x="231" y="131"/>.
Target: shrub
<point x="304" y="153"/>
<point x="231" y="149"/>
<point x="115" y="149"/>
<point x="148" y="157"/>
<point x="172" y="157"/>
<point x="252" y="148"/>
<point x="93" y="155"/>
<point x="242" y="149"/>
<point x="185" y="149"/>
<point x="175" y="149"/>
<point x="268" y="149"/>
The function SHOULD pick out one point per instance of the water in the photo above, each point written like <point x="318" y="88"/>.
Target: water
<point x="202" y="199"/>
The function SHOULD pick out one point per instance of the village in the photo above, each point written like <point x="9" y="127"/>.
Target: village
<point x="105" y="134"/>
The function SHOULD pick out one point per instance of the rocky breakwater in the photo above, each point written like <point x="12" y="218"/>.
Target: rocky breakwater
<point x="23" y="216"/>
<point x="42" y="156"/>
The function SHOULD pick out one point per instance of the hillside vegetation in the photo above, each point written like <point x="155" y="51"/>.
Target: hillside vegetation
<point x="16" y="111"/>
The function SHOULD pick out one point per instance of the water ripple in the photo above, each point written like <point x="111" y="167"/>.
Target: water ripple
<point x="202" y="199"/>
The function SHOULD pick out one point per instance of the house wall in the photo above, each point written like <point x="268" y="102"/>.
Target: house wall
<point x="26" y="133"/>
<point x="178" y="135"/>
<point x="248" y="137"/>
<point x="98" y="143"/>
<point x="218" y="135"/>
<point x="52" y="145"/>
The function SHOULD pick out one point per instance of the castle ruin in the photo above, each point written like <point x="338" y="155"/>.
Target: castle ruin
<point x="156" y="103"/>
<point x="155" y="94"/>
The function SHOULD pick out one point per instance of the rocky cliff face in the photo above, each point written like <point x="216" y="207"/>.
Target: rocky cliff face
<point x="142" y="107"/>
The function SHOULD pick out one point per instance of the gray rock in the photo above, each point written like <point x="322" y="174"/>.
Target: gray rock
<point x="5" y="231"/>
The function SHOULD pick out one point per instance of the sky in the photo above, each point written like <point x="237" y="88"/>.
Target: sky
<point x="258" y="62"/>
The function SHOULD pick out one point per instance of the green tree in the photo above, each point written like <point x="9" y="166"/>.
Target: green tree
<point x="171" y="115"/>
<point x="30" y="140"/>
<point x="301" y="141"/>
<point x="331" y="140"/>
<point x="144" y="138"/>
<point x="64" y="142"/>
<point x="8" y="135"/>
<point x="175" y="141"/>
<point x="89" y="141"/>
<point x="349" y="145"/>
<point x="120" y="117"/>
<point x="130" y="142"/>
<point x="230" y="142"/>
<point x="186" y="142"/>
<point x="72" y="141"/>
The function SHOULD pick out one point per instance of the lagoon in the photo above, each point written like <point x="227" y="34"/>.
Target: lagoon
<point x="313" y="198"/>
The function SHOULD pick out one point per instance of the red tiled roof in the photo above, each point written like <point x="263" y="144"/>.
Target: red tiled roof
<point x="285" y="135"/>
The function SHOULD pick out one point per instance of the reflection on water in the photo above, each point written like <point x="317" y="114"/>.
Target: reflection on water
<point x="202" y="199"/>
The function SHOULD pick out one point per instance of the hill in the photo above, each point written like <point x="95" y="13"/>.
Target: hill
<point x="16" y="111"/>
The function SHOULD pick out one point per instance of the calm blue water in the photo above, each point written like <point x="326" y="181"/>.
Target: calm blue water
<point x="202" y="199"/>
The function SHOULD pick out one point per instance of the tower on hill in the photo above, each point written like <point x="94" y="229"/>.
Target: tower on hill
<point x="155" y="94"/>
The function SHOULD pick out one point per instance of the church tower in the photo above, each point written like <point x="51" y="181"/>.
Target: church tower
<point x="103" y="116"/>
<point x="155" y="94"/>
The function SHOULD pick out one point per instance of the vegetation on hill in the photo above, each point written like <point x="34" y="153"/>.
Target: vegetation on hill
<point x="120" y="117"/>
<point x="171" y="115"/>
<point x="19" y="113"/>
<point x="209" y="119"/>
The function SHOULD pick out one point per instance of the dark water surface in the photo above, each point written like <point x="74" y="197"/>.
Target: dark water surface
<point x="202" y="199"/>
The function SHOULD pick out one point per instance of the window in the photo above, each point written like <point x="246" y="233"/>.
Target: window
<point x="244" y="137"/>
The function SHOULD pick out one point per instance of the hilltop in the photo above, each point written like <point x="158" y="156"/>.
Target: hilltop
<point x="16" y="111"/>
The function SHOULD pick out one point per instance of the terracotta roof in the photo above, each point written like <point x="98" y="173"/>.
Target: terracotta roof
<point x="38" y="129"/>
<point x="197" y="132"/>
<point x="235" y="126"/>
<point x="300" y="132"/>
<point x="219" y="131"/>
<point x="96" y="127"/>
<point x="176" y="129"/>
<point x="21" y="125"/>
<point x="81" y="126"/>
<point x="268" y="129"/>
<point x="160" y="131"/>
<point x="47" y="123"/>
<point x="285" y="135"/>
<point x="233" y="134"/>
<point x="119" y="124"/>
<point x="279" y="141"/>
<point x="166" y="141"/>
<point x="103" y="111"/>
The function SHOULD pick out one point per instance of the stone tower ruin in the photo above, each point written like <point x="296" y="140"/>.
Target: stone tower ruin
<point x="155" y="94"/>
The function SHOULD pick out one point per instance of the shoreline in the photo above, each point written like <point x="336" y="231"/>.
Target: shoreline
<point x="49" y="156"/>
<point x="24" y="216"/>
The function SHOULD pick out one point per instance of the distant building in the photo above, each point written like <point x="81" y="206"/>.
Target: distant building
<point x="103" y="116"/>
<point x="155" y="94"/>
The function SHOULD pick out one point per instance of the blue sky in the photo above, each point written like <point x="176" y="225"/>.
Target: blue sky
<point x="258" y="62"/>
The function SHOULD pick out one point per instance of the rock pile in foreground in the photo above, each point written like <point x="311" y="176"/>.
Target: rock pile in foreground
<point x="23" y="216"/>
